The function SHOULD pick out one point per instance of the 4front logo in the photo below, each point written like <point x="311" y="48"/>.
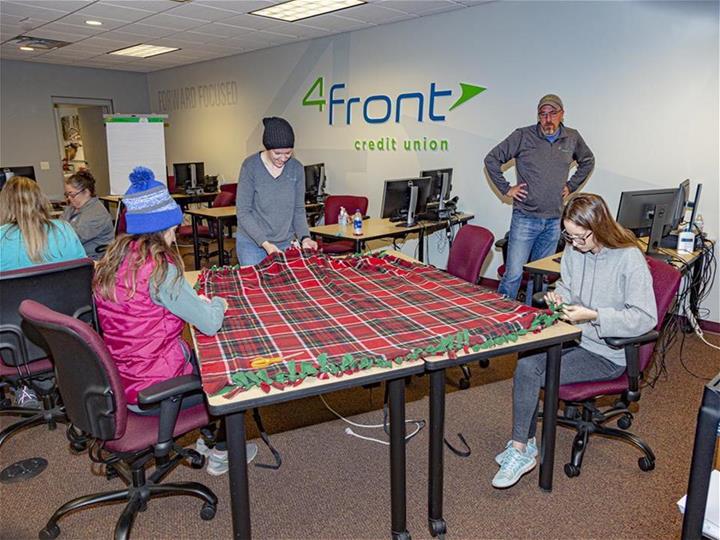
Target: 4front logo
<point x="379" y="108"/>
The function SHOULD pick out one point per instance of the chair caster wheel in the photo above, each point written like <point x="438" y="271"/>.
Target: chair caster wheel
<point x="646" y="464"/>
<point x="5" y="403"/>
<point x="49" y="533"/>
<point x="208" y="512"/>
<point x="571" y="470"/>
<point x="463" y="384"/>
<point x="624" y="422"/>
<point x="110" y="472"/>
<point x="196" y="460"/>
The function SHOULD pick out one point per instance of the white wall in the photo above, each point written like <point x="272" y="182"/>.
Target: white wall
<point x="28" y="134"/>
<point x="639" y="80"/>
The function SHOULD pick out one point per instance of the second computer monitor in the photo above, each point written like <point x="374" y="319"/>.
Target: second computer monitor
<point x="189" y="176"/>
<point x="404" y="198"/>
<point x="441" y="184"/>
<point x="314" y="182"/>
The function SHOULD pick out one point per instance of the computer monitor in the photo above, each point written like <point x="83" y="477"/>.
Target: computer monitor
<point x="653" y="212"/>
<point x="441" y="185"/>
<point x="6" y="173"/>
<point x="189" y="176"/>
<point x="405" y="198"/>
<point x="314" y="183"/>
<point x="695" y="204"/>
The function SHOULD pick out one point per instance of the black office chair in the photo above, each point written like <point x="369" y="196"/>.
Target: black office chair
<point x="67" y="288"/>
<point x="123" y="441"/>
<point x="581" y="411"/>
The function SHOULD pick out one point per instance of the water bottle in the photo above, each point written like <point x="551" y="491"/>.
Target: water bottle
<point x="699" y="223"/>
<point x="343" y="217"/>
<point x="357" y="223"/>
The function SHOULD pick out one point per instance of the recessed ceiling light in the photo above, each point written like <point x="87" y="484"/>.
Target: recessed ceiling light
<point x="144" y="51"/>
<point x="94" y="23"/>
<point x="26" y="48"/>
<point x="295" y="10"/>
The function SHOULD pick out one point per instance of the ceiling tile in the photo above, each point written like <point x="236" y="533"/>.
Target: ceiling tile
<point x="27" y="10"/>
<point x="378" y="15"/>
<point x="76" y="30"/>
<point x="251" y="21"/>
<point x="60" y="5"/>
<point x="194" y="10"/>
<point x="239" y="6"/>
<point x="78" y="19"/>
<point x="153" y="6"/>
<point x="420" y="7"/>
<point x="121" y="12"/>
<point x="140" y="32"/>
<point x="171" y="21"/>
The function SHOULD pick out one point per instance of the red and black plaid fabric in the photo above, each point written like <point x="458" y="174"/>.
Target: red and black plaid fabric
<point x="301" y="314"/>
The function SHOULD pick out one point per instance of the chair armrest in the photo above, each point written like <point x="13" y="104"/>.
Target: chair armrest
<point x="619" y="343"/>
<point x="177" y="386"/>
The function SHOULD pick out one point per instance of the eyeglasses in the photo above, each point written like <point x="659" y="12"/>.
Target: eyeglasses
<point x="74" y="194"/>
<point x="553" y="114"/>
<point x="576" y="239"/>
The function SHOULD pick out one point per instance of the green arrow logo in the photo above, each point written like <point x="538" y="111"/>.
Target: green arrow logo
<point x="469" y="91"/>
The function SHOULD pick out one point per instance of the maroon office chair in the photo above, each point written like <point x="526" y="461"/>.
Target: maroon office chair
<point x="67" y="287"/>
<point x="209" y="233"/>
<point x="581" y="412"/>
<point x="121" y="440"/>
<point x="467" y="255"/>
<point x="333" y="203"/>
<point x="231" y="189"/>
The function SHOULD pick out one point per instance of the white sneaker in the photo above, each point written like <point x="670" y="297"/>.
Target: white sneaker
<point x="531" y="449"/>
<point x="26" y="397"/>
<point x="218" y="463"/>
<point x="514" y="465"/>
<point x="201" y="447"/>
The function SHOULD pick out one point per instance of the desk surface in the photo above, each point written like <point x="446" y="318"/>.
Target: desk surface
<point x="548" y="266"/>
<point x="176" y="196"/>
<point x="374" y="228"/>
<point x="225" y="212"/>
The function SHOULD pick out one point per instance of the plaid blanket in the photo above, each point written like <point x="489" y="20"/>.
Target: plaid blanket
<point x="303" y="314"/>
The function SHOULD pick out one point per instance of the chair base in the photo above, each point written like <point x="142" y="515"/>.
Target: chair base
<point x="33" y="417"/>
<point x="139" y="492"/>
<point x="590" y="421"/>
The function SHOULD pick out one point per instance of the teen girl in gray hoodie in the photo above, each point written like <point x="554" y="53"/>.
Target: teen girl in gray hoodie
<point x="608" y="291"/>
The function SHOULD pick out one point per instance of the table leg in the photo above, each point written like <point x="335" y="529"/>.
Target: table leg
<point x="396" y="389"/>
<point x="220" y="241"/>
<point x="537" y="285"/>
<point x="550" y="406"/>
<point x="421" y="246"/>
<point x="436" y="523"/>
<point x="196" y="242"/>
<point x="701" y="467"/>
<point x="239" y="490"/>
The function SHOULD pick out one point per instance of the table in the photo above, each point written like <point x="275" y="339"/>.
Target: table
<point x="683" y="261"/>
<point x="182" y="199"/>
<point x="224" y="216"/>
<point x="552" y="338"/>
<point x="376" y="228"/>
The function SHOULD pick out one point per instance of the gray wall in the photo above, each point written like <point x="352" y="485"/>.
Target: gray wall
<point x="639" y="80"/>
<point x="27" y="127"/>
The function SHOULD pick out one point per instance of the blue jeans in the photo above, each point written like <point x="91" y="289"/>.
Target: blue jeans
<point x="249" y="253"/>
<point x="530" y="239"/>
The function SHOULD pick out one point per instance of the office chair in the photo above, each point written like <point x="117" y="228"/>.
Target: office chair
<point x="502" y="244"/>
<point x="231" y="189"/>
<point x="209" y="233"/>
<point x="121" y="440"/>
<point x="581" y="412"/>
<point x="467" y="255"/>
<point x="331" y="212"/>
<point x="67" y="287"/>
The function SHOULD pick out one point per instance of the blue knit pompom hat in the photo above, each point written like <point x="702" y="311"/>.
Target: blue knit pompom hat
<point x="150" y="208"/>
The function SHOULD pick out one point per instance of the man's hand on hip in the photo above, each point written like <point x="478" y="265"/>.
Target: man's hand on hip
<point x="517" y="192"/>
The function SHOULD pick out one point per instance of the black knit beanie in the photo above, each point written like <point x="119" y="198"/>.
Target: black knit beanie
<point x="278" y="133"/>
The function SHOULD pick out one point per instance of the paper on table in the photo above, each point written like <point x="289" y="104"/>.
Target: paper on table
<point x="711" y="525"/>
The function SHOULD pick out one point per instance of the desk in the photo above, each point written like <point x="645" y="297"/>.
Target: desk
<point x="682" y="261"/>
<point x="224" y="216"/>
<point x="182" y="199"/>
<point x="552" y="338"/>
<point x="376" y="228"/>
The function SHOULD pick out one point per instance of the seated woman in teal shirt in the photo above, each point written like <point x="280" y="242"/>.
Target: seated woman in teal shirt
<point x="28" y="236"/>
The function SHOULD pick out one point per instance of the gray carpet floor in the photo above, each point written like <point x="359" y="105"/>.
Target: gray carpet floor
<point x="332" y="485"/>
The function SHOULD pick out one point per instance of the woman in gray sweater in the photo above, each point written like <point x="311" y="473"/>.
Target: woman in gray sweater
<point x="271" y="197"/>
<point x="608" y="291"/>
<point x="86" y="214"/>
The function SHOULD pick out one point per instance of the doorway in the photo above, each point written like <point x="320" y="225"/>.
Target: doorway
<point x="81" y="137"/>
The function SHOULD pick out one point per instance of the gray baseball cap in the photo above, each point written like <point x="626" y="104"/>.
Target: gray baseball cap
<point x="552" y="100"/>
